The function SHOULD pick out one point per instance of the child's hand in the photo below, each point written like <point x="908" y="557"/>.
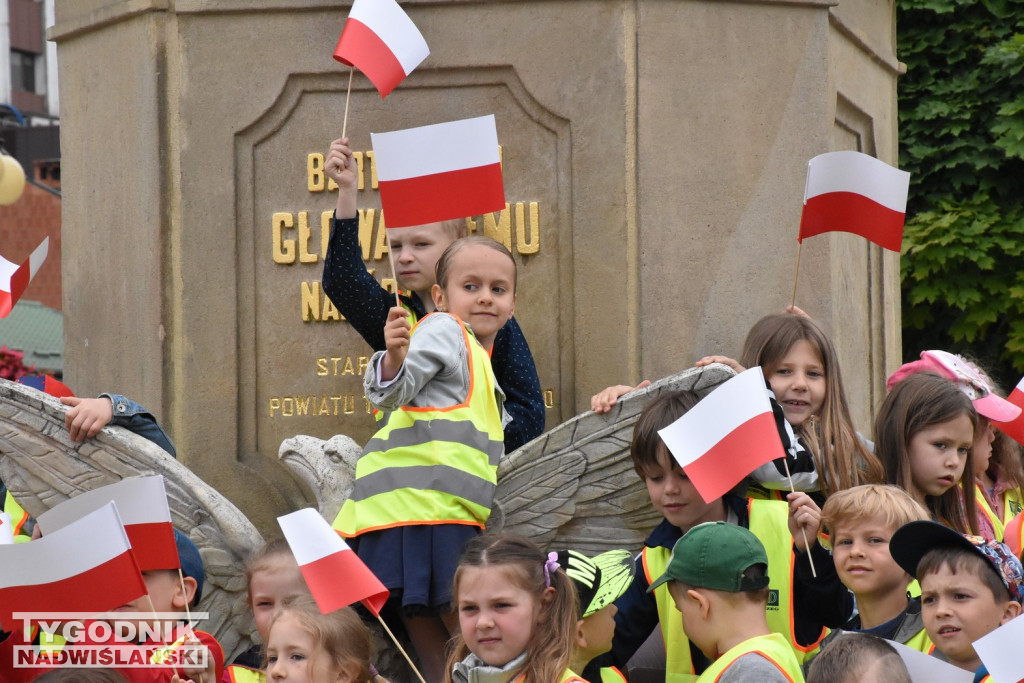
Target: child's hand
<point x="87" y="416"/>
<point x="804" y="520"/>
<point x="724" y="360"/>
<point x="396" y="338"/>
<point x="341" y="168"/>
<point x="204" y="675"/>
<point x="603" y="402"/>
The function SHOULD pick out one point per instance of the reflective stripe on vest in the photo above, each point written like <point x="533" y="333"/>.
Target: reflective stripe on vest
<point x="769" y="522"/>
<point x="243" y="674"/>
<point x="985" y="509"/>
<point x="428" y="465"/>
<point x="609" y="674"/>
<point x="772" y="647"/>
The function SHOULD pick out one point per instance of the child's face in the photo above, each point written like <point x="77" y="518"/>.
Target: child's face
<point x="798" y="382"/>
<point x="957" y="610"/>
<point x="599" y="629"/>
<point x="481" y="290"/>
<point x="293" y="654"/>
<point x="269" y="588"/>
<point x="416" y="250"/>
<point x="496" y="615"/>
<point x="167" y="593"/>
<point x="981" y="451"/>
<point x="675" y="497"/>
<point x="860" y="550"/>
<point x="937" y="456"/>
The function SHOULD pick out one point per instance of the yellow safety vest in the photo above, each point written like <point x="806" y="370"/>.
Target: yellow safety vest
<point x="567" y="677"/>
<point x="428" y="465"/>
<point x="921" y="642"/>
<point x="609" y="674"/>
<point x="18" y="518"/>
<point x="986" y="509"/>
<point x="1013" y="504"/>
<point x="772" y="647"/>
<point x="243" y="674"/>
<point x="769" y="522"/>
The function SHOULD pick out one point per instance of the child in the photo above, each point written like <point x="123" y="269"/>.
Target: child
<point x="517" y="614"/>
<point x="365" y="304"/>
<point x="969" y="586"/>
<point x="858" y="658"/>
<point x="997" y="470"/>
<point x="305" y="646"/>
<point x="860" y="521"/>
<point x="717" y="576"/>
<point x="599" y="582"/>
<point x="802" y="604"/>
<point x="425" y="482"/>
<point x="273" y="576"/>
<point x="923" y="435"/>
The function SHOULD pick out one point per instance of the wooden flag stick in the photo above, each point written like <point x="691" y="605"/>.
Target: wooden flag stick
<point x="401" y="649"/>
<point x="797" y="274"/>
<point x="348" y="96"/>
<point x="814" y="573"/>
<point x="391" y="260"/>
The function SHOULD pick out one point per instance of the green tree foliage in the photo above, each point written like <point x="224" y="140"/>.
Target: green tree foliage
<point x="961" y="120"/>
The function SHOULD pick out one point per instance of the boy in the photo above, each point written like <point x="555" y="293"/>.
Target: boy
<point x="800" y="604"/>
<point x="717" y="576"/>
<point x="365" y="304"/>
<point x="858" y="658"/>
<point x="599" y="582"/>
<point x="860" y="521"/>
<point x="969" y="587"/>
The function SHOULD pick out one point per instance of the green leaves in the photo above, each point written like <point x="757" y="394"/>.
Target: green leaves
<point x="961" y="114"/>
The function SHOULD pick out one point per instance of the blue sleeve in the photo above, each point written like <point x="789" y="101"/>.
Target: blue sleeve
<point x="354" y="292"/>
<point x="517" y="375"/>
<point x="135" y="418"/>
<point x="634" y="622"/>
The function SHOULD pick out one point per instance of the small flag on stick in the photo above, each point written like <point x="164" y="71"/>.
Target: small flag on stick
<point x="381" y="41"/>
<point x="84" y="567"/>
<point x="726" y="436"/>
<point x="440" y="172"/>
<point x="142" y="505"/>
<point x="14" y="279"/>
<point x="334" y="573"/>
<point x="854" y="192"/>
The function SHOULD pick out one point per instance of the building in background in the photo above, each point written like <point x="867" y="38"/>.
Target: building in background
<point x="30" y="132"/>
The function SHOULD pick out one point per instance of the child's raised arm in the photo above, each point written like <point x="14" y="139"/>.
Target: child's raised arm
<point x="396" y="336"/>
<point x="341" y="168"/>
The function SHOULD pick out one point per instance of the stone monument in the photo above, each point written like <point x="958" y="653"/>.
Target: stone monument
<point x="654" y="156"/>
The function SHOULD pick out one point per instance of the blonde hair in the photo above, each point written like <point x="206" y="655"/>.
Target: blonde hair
<point x="894" y="506"/>
<point x="340" y="634"/>
<point x="839" y="456"/>
<point x="552" y="637"/>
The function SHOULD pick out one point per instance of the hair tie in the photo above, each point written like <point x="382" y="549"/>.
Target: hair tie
<point x="550" y="565"/>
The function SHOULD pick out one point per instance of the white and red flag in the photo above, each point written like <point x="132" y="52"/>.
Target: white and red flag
<point x="854" y="192"/>
<point x="726" y="436"/>
<point x="1014" y="428"/>
<point x="142" y="504"/>
<point x="86" y="566"/>
<point x="334" y="573"/>
<point x="439" y="172"/>
<point x="381" y="41"/>
<point x="14" y="279"/>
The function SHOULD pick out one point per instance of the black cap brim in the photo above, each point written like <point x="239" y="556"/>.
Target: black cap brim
<point x="913" y="540"/>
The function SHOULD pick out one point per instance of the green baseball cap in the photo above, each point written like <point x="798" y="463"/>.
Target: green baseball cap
<point x="715" y="555"/>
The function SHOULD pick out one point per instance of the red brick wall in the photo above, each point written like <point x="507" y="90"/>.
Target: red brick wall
<point x="23" y="225"/>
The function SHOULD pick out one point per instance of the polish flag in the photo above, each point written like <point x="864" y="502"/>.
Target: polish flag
<point x="142" y="504"/>
<point x="726" y="436"/>
<point x="381" y="41"/>
<point x="334" y="573"/>
<point x="440" y="172"/>
<point x="854" y="192"/>
<point x="1014" y="428"/>
<point x="14" y="279"/>
<point x="87" y="566"/>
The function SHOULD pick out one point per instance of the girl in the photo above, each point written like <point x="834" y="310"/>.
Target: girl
<point x="273" y="576"/>
<point x="425" y="482"/>
<point x="923" y="435"/>
<point x="517" y="612"/>
<point x="305" y="646"/>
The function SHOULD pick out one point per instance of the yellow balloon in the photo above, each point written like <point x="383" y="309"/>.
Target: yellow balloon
<point x="12" y="180"/>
